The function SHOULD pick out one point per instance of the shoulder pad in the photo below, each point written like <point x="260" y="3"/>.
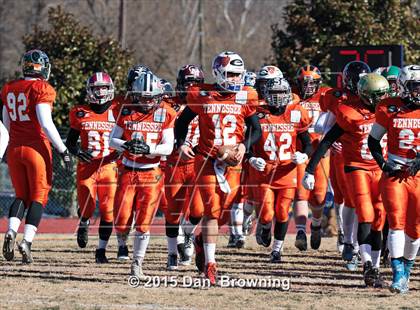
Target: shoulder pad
<point x="125" y="111"/>
<point x="337" y="93"/>
<point x="80" y="113"/>
<point x="392" y="108"/>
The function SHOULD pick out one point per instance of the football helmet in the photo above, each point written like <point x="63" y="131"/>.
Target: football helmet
<point x="352" y="73"/>
<point x="278" y="93"/>
<point x="372" y="88"/>
<point x="99" y="88"/>
<point x="263" y="75"/>
<point x="35" y="63"/>
<point x="391" y="74"/>
<point x="134" y="73"/>
<point x="250" y="78"/>
<point x="408" y="82"/>
<point x="229" y="71"/>
<point x="187" y="76"/>
<point x="147" y="92"/>
<point x="168" y="90"/>
<point x="308" y="80"/>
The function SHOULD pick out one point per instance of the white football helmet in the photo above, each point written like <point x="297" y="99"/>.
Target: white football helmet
<point x="408" y="82"/>
<point x="250" y="78"/>
<point x="269" y="72"/>
<point x="147" y="91"/>
<point x="229" y="71"/>
<point x="278" y="93"/>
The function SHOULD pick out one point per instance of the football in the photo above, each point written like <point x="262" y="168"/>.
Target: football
<point x="227" y="153"/>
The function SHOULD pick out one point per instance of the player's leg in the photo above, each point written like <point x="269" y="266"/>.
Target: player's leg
<point x="284" y="198"/>
<point x="106" y="187"/>
<point x="267" y="199"/>
<point x="301" y="209"/>
<point x="237" y="238"/>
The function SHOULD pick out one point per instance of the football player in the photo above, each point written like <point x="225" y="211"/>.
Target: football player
<point x="27" y="106"/>
<point x="390" y="73"/>
<point x="144" y="132"/>
<point x="180" y="177"/>
<point x="353" y="123"/>
<point x="224" y="109"/>
<point x="308" y="81"/>
<point x="274" y="160"/>
<point x="96" y="170"/>
<point x="399" y="118"/>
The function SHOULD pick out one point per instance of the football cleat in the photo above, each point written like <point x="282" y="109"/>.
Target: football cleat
<point x="25" y="250"/>
<point x="199" y="253"/>
<point x="247" y="226"/>
<point x="9" y="245"/>
<point x="368" y="274"/>
<point x="399" y="280"/>
<point x="137" y="270"/>
<point x="301" y="241"/>
<point x="172" y="262"/>
<point x="211" y="273"/>
<point x="100" y="256"/>
<point x="315" y="237"/>
<point x="231" y="242"/>
<point x="122" y="253"/>
<point x="83" y="234"/>
<point x="188" y="245"/>
<point x="352" y="264"/>
<point x="239" y="241"/>
<point x="347" y="253"/>
<point x="340" y="242"/>
<point x="184" y="260"/>
<point x="263" y="235"/>
<point x="379" y="281"/>
<point x="275" y="257"/>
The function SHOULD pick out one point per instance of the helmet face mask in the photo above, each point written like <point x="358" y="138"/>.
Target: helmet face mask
<point x="229" y="71"/>
<point x="35" y="63"/>
<point x="372" y="88"/>
<point x="278" y="93"/>
<point x="99" y="88"/>
<point x="308" y="80"/>
<point x="147" y="92"/>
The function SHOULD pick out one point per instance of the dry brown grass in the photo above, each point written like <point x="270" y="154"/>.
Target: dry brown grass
<point x="65" y="277"/>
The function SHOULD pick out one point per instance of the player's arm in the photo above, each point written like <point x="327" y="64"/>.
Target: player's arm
<point x="73" y="146"/>
<point x="181" y="131"/>
<point x="166" y="146"/>
<point x="324" y="122"/>
<point x="43" y="113"/>
<point x="6" y="119"/>
<point x="301" y="157"/>
<point x="115" y="140"/>
<point x="253" y="131"/>
<point x="4" y="139"/>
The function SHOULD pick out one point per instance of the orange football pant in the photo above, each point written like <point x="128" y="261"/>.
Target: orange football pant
<point x="141" y="190"/>
<point x="402" y="204"/>
<point x="30" y="169"/>
<point x="94" y="179"/>
<point x="339" y="181"/>
<point x="216" y="203"/>
<point x="180" y="192"/>
<point x="364" y="187"/>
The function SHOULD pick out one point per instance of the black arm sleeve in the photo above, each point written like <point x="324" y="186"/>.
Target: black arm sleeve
<point x="71" y="141"/>
<point x="253" y="131"/>
<point x="305" y="139"/>
<point x="332" y="135"/>
<point x="181" y="125"/>
<point x="376" y="150"/>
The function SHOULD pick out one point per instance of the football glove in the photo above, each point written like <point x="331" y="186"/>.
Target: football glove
<point x="84" y="156"/>
<point x="257" y="163"/>
<point x="392" y="170"/>
<point x="299" y="158"/>
<point x="137" y="147"/>
<point x="414" y="166"/>
<point x="308" y="181"/>
<point x="67" y="160"/>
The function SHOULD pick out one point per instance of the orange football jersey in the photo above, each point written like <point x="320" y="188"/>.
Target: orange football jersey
<point x="402" y="125"/>
<point x="331" y="98"/>
<point x="150" y="126"/>
<point x="356" y="121"/>
<point x="94" y="128"/>
<point x="279" y="132"/>
<point x="221" y="116"/>
<point x="20" y="98"/>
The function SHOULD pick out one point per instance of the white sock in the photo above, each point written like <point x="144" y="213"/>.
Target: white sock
<point x="210" y="252"/>
<point x="141" y="241"/>
<point x="411" y="247"/>
<point x="316" y="222"/>
<point x="122" y="239"/>
<point x="102" y="244"/>
<point x="180" y="238"/>
<point x="29" y="232"/>
<point x="172" y="245"/>
<point x="348" y="224"/>
<point x="188" y="228"/>
<point x="237" y="218"/>
<point x="14" y="223"/>
<point x="366" y="252"/>
<point x="354" y="235"/>
<point x="396" y="242"/>
<point x="339" y="215"/>
<point x="376" y="258"/>
<point x="278" y="245"/>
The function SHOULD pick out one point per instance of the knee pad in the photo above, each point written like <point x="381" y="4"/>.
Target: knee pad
<point x="363" y="233"/>
<point x="17" y="209"/>
<point x="105" y="230"/>
<point x="171" y="230"/>
<point x="280" y="230"/>
<point x="34" y="214"/>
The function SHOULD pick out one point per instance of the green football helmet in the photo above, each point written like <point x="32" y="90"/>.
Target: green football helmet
<point x="391" y="74"/>
<point x="35" y="63"/>
<point x="372" y="88"/>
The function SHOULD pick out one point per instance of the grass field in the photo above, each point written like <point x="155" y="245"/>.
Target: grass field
<point x="65" y="277"/>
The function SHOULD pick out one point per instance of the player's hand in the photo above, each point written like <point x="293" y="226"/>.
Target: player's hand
<point x="308" y="181"/>
<point x="337" y="147"/>
<point x="414" y="166"/>
<point x="299" y="158"/>
<point x="84" y="156"/>
<point x="67" y="160"/>
<point x="257" y="163"/>
<point x="241" y="152"/>
<point x="186" y="152"/>
<point x="137" y="147"/>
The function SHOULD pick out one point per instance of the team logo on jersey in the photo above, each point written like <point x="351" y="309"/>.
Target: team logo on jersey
<point x="80" y="114"/>
<point x="295" y="116"/>
<point x="160" y="115"/>
<point x="392" y="109"/>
